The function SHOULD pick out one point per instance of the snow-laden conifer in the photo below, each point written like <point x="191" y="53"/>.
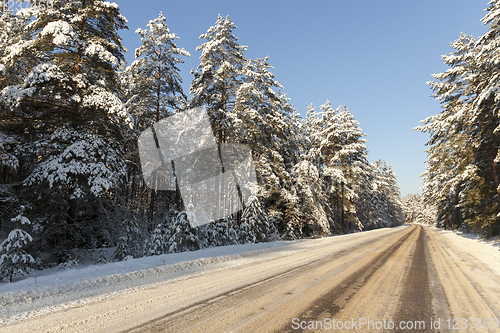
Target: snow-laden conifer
<point x="156" y="243"/>
<point x="13" y="30"/>
<point x="386" y="195"/>
<point x="450" y="153"/>
<point x="311" y="200"/>
<point x="220" y="233"/>
<point x="255" y="225"/>
<point x="129" y="242"/>
<point x="184" y="237"/>
<point x="14" y="260"/>
<point x="219" y="75"/>
<point x="463" y="175"/>
<point x="67" y="108"/>
<point x="157" y="89"/>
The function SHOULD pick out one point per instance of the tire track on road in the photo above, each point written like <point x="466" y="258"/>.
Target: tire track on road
<point x="416" y="305"/>
<point x="339" y="296"/>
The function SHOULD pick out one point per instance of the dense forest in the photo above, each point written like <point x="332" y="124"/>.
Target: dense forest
<point x="72" y="110"/>
<point x="462" y="179"/>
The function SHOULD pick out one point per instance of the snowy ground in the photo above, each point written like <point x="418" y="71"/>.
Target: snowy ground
<point x="56" y="290"/>
<point x="485" y="251"/>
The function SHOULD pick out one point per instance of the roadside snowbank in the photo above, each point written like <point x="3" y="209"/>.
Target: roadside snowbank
<point x="486" y="251"/>
<point x="50" y="282"/>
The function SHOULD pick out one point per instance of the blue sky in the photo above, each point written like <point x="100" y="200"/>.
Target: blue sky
<point x="374" y="56"/>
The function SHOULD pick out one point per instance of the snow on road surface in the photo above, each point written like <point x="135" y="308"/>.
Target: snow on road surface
<point x="116" y="296"/>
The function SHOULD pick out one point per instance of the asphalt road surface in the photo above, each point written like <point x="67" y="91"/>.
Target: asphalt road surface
<point x="405" y="279"/>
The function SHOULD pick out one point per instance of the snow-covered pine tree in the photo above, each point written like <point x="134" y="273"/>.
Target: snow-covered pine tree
<point x="67" y="108"/>
<point x="255" y="225"/>
<point x="258" y="107"/>
<point x="463" y="173"/>
<point x="378" y="202"/>
<point x="275" y="218"/>
<point x="184" y="237"/>
<point x="231" y="231"/>
<point x="129" y="242"/>
<point x="298" y="134"/>
<point x="101" y="255"/>
<point x="322" y="143"/>
<point x="12" y="31"/>
<point x="209" y="235"/>
<point x="310" y="189"/>
<point x="307" y="186"/>
<point x="292" y="219"/>
<point x="14" y="260"/>
<point x="218" y="76"/>
<point x="450" y="167"/>
<point x="220" y="233"/>
<point x="155" y="75"/>
<point x="481" y="205"/>
<point x="261" y="122"/>
<point x="246" y="233"/>
<point x="387" y="195"/>
<point x="312" y="121"/>
<point x="410" y="206"/>
<point x="342" y="161"/>
<point x="369" y="200"/>
<point x="297" y="147"/>
<point x="121" y="253"/>
<point x="156" y="243"/>
<point x="216" y="81"/>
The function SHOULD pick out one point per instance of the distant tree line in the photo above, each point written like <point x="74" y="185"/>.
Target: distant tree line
<point x="417" y="210"/>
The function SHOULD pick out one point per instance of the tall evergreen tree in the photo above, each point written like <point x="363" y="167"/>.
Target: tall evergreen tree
<point x="67" y="109"/>
<point x="262" y="123"/>
<point x="450" y="154"/>
<point x="337" y="149"/>
<point x="482" y="203"/>
<point x="157" y="83"/>
<point x="311" y="199"/>
<point x="153" y="83"/>
<point x="387" y="194"/>
<point x="219" y="76"/>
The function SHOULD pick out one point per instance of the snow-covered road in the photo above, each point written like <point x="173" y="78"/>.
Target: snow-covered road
<point x="394" y="274"/>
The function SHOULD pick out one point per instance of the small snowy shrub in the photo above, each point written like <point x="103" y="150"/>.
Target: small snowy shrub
<point x="15" y="261"/>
